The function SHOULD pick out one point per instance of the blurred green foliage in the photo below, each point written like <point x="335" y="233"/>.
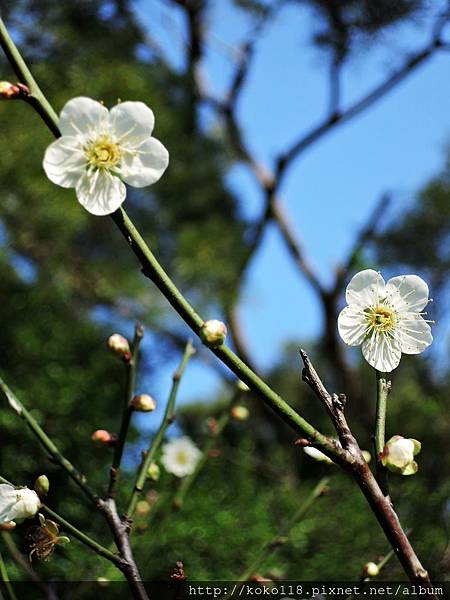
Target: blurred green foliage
<point x="58" y="265"/>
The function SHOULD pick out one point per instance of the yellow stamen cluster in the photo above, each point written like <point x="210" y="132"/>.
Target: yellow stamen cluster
<point x="381" y="318"/>
<point x="103" y="153"/>
<point x="182" y="458"/>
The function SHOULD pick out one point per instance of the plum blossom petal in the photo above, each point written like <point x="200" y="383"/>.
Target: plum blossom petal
<point x="382" y="353"/>
<point x="64" y="162"/>
<point x="412" y="291"/>
<point x="82" y="116"/>
<point x="101" y="194"/>
<point x="17" y="503"/>
<point x="132" y="122"/>
<point x="365" y="288"/>
<point x="145" y="165"/>
<point x="352" y="325"/>
<point x="414" y="335"/>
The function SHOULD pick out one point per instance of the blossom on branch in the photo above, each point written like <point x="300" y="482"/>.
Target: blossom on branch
<point x="180" y="456"/>
<point x="398" y="455"/>
<point x="385" y="319"/>
<point x="17" y="504"/>
<point x="100" y="150"/>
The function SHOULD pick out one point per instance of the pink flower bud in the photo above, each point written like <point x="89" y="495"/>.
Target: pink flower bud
<point x="103" y="437"/>
<point x="213" y="333"/>
<point x="143" y="403"/>
<point x="12" y="91"/>
<point x="8" y="526"/>
<point x="120" y="346"/>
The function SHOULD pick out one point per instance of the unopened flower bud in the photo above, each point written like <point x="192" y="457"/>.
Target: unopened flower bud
<point x="119" y="345"/>
<point x="213" y="333"/>
<point x="143" y="403"/>
<point x="143" y="507"/>
<point x="239" y="413"/>
<point x="371" y="569"/>
<point x="8" y="526"/>
<point x="398" y="455"/>
<point x="42" y="485"/>
<point x="242" y="387"/>
<point x="103" y="437"/>
<point x="153" y="472"/>
<point x="11" y="91"/>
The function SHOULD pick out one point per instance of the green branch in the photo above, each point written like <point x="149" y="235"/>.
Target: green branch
<point x="159" y="436"/>
<point x="47" y="443"/>
<point x="383" y="389"/>
<point x="127" y="412"/>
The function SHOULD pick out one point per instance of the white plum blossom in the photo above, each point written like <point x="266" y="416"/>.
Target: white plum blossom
<point x="385" y="319"/>
<point x="100" y="149"/>
<point x="17" y="504"/>
<point x="398" y="455"/>
<point x="180" y="456"/>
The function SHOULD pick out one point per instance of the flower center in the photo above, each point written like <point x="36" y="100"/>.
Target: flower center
<point x="382" y="318"/>
<point x="182" y="458"/>
<point x="103" y="153"/>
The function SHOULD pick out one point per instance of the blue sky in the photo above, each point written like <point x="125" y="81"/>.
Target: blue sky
<point x="395" y="146"/>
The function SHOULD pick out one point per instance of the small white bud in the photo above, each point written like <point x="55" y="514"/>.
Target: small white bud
<point x="42" y="485"/>
<point x="119" y="345"/>
<point x="143" y="403"/>
<point x="239" y="413"/>
<point x="371" y="569"/>
<point x="213" y="333"/>
<point x="398" y="455"/>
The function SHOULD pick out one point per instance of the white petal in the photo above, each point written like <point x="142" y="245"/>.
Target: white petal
<point x="7" y="500"/>
<point x="132" y="122"/>
<point x="82" y="116"/>
<point x="381" y="352"/>
<point x="64" y="161"/>
<point x="145" y="165"/>
<point x="352" y="325"/>
<point x="409" y="292"/>
<point x="365" y="288"/>
<point x="414" y="334"/>
<point x="100" y="192"/>
<point x="317" y="454"/>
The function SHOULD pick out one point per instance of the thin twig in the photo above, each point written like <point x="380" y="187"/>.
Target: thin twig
<point x="47" y="443"/>
<point x="131" y="368"/>
<point x="167" y="419"/>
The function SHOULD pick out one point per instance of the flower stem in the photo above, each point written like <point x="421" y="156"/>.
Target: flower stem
<point x="47" y="443"/>
<point x="166" y="421"/>
<point x="270" y="546"/>
<point x="383" y="389"/>
<point x="127" y="413"/>
<point x="5" y="579"/>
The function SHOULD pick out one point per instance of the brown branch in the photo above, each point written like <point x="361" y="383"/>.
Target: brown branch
<point x="353" y="461"/>
<point x="120" y="531"/>
<point x="332" y="120"/>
